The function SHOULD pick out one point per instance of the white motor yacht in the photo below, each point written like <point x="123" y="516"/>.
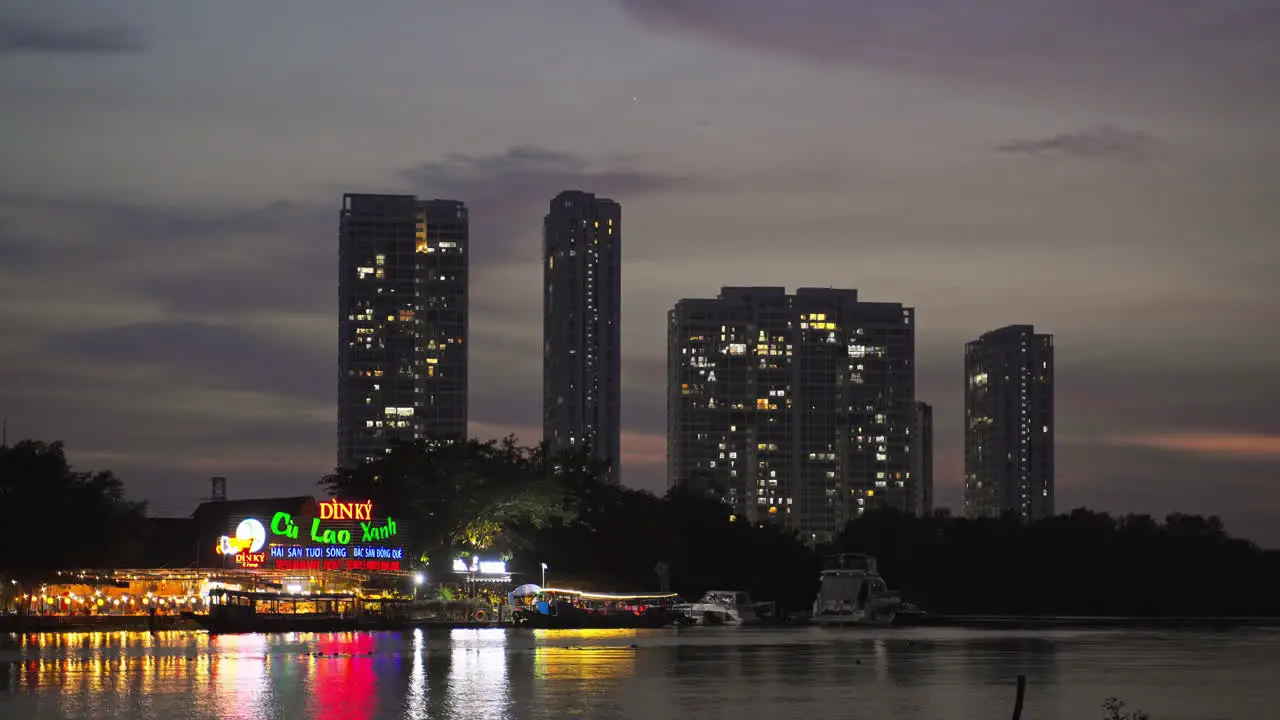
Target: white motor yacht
<point x="725" y="607"/>
<point x="853" y="593"/>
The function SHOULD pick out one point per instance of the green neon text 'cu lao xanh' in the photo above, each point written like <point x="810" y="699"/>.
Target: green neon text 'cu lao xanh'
<point x="282" y="524"/>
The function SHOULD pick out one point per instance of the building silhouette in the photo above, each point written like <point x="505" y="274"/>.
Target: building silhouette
<point x="402" y="323"/>
<point x="1009" y="426"/>
<point x="922" y="460"/>
<point x="582" y="302"/>
<point x="796" y="409"/>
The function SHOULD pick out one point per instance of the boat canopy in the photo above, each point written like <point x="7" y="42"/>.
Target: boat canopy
<point x="526" y="590"/>
<point x="608" y="596"/>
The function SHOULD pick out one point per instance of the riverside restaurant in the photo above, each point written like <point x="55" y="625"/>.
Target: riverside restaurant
<point x="290" y="545"/>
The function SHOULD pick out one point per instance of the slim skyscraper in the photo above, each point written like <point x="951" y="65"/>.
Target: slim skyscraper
<point x="402" y="323"/>
<point x="582" y="303"/>
<point x="922" y="459"/>
<point x="796" y="409"/>
<point x="1008" y="409"/>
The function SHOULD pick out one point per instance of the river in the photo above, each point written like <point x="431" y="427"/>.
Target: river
<point x="809" y="673"/>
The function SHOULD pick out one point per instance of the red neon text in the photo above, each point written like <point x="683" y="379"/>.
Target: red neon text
<point x="368" y="565"/>
<point x="334" y="510"/>
<point x="250" y="560"/>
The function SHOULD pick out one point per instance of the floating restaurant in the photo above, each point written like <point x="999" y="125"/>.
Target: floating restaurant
<point x="295" y="545"/>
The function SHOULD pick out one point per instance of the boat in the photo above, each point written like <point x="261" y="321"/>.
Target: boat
<point x="251" y="611"/>
<point x="909" y="614"/>
<point x="559" y="609"/>
<point x="725" y="607"/>
<point x="851" y="592"/>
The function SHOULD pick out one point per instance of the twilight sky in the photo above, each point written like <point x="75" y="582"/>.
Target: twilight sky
<point x="1109" y="171"/>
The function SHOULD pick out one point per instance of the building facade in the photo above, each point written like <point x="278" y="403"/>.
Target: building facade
<point x="796" y="409"/>
<point x="402" y="323"/>
<point x="1009" y="425"/>
<point x="922" y="459"/>
<point x="582" y="302"/>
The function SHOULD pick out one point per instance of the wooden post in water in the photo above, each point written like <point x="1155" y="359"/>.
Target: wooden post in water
<point x="1017" y="702"/>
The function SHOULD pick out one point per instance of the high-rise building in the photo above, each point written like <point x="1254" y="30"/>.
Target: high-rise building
<point x="796" y="409"/>
<point x="402" y="323"/>
<point x="1008" y="412"/>
<point x="582" y="349"/>
<point x="922" y="459"/>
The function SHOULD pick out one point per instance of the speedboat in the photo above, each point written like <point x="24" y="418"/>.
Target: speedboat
<point x="725" y="607"/>
<point x="853" y="593"/>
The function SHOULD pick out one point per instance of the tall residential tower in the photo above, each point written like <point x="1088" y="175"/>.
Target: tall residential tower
<point x="922" y="459"/>
<point x="582" y="349"/>
<point x="796" y="409"/>
<point x="1008" y="413"/>
<point x="402" y="323"/>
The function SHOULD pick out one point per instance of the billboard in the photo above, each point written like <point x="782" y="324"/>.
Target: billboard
<point x="341" y="535"/>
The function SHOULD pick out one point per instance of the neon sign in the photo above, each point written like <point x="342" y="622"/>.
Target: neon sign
<point x="334" y="510"/>
<point x="250" y="537"/>
<point x="283" y="525"/>
<point x="250" y="559"/>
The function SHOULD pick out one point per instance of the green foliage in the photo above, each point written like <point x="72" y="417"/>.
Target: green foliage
<point x="67" y="519"/>
<point x="460" y="497"/>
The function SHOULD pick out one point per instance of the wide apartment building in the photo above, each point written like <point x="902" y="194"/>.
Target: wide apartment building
<point x="402" y="323"/>
<point x="796" y="409"/>
<point x="582" y="303"/>
<point x="1009" y="429"/>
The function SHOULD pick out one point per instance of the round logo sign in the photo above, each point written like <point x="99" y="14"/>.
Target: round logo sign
<point x="251" y="531"/>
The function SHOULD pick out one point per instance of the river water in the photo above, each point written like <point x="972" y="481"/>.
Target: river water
<point x="809" y="673"/>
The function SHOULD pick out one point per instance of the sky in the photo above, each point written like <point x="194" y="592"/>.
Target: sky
<point x="1105" y="171"/>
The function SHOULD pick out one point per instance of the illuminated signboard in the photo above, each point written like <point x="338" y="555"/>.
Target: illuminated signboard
<point x="341" y="536"/>
<point x="493" y="569"/>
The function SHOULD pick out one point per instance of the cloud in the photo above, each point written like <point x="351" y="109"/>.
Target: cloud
<point x="1157" y="482"/>
<point x="508" y="193"/>
<point x="223" y="357"/>
<point x="276" y="257"/>
<point x="1092" y="143"/>
<point x="1134" y="43"/>
<point x="46" y="36"/>
<point x="1238" y="446"/>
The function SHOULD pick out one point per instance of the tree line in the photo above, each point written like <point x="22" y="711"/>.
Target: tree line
<point x="1079" y="563"/>
<point x="530" y="506"/>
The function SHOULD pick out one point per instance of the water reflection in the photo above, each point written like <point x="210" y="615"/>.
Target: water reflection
<point x="478" y="676"/>
<point x="522" y="675"/>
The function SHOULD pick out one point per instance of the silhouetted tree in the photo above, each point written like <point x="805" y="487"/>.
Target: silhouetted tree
<point x="1080" y="563"/>
<point x="458" y="497"/>
<point x="60" y="518"/>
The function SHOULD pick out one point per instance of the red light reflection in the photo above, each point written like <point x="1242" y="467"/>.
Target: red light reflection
<point x="343" y="678"/>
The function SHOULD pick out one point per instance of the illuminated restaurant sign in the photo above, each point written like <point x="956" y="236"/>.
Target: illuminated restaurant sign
<point x="342" y="536"/>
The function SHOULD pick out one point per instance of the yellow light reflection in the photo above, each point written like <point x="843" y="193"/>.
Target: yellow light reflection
<point x="239" y="672"/>
<point x="584" y="654"/>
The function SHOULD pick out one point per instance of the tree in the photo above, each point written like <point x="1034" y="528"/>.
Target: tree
<point x="458" y="497"/>
<point x="66" y="519"/>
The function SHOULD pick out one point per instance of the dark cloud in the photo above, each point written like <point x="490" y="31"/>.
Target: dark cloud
<point x="166" y="451"/>
<point x="16" y="249"/>
<point x="1093" y="143"/>
<point x="508" y="193"/>
<point x="36" y="35"/>
<point x="1122" y="480"/>
<point x="278" y="257"/>
<point x="224" y="357"/>
<point x="1200" y="40"/>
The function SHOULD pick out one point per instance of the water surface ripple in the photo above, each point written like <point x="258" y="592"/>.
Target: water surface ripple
<point x="804" y="673"/>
